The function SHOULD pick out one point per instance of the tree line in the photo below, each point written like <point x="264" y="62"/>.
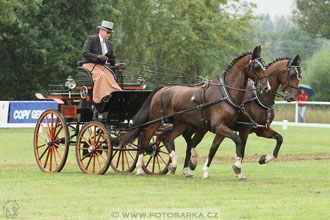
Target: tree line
<point x="41" y="40"/>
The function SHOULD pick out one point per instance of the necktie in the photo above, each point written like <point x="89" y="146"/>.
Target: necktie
<point x="104" y="47"/>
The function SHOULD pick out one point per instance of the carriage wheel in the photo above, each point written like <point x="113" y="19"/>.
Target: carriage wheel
<point x="124" y="158"/>
<point x="93" y="148"/>
<point x="51" y="141"/>
<point x="157" y="162"/>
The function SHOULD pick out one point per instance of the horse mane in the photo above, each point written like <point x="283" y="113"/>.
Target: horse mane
<point x="234" y="61"/>
<point x="278" y="59"/>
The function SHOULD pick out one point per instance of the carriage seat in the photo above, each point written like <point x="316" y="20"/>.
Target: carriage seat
<point x="84" y="75"/>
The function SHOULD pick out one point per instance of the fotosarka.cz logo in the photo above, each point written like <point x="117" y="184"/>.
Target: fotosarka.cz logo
<point x="10" y="209"/>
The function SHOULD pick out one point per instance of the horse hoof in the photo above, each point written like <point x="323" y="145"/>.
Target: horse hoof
<point x="189" y="176"/>
<point x="236" y="169"/>
<point x="243" y="179"/>
<point x="206" y="178"/>
<point x="139" y="175"/>
<point x="171" y="169"/>
<point x="262" y="159"/>
<point x="191" y="165"/>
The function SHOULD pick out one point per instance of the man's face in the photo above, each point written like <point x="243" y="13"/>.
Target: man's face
<point x="105" y="34"/>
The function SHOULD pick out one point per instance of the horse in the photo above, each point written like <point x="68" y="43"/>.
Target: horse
<point x="258" y="112"/>
<point x="216" y="111"/>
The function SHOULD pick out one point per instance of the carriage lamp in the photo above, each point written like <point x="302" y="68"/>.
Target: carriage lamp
<point x="141" y="81"/>
<point x="70" y="83"/>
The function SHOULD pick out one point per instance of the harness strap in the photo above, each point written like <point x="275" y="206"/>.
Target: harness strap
<point x="256" y="97"/>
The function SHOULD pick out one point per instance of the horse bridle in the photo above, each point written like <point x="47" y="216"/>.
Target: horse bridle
<point x="290" y="74"/>
<point x="261" y="64"/>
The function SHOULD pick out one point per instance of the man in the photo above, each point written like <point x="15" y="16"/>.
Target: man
<point x="97" y="50"/>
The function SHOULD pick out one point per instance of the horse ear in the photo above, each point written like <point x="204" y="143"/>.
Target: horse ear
<point x="296" y="60"/>
<point x="256" y="52"/>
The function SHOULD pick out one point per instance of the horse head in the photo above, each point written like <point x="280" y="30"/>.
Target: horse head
<point x="256" y="71"/>
<point x="290" y="79"/>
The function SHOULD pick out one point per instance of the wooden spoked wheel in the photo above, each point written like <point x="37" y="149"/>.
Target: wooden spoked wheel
<point x="157" y="162"/>
<point x="124" y="158"/>
<point x="93" y="148"/>
<point x="51" y="141"/>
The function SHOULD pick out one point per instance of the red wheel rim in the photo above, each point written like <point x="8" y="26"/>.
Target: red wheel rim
<point x="51" y="141"/>
<point x="124" y="158"/>
<point x="93" y="149"/>
<point x="158" y="163"/>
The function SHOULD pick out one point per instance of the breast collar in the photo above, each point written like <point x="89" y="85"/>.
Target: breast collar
<point x="225" y="94"/>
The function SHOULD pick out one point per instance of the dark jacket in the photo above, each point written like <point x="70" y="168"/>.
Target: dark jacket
<point x="92" y="48"/>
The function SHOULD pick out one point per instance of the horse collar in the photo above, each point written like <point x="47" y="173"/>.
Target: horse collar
<point x="225" y="93"/>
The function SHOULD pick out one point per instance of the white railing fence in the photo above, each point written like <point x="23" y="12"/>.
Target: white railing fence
<point x="285" y="123"/>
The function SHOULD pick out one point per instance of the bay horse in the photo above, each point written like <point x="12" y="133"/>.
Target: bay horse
<point x="258" y="110"/>
<point x="175" y="105"/>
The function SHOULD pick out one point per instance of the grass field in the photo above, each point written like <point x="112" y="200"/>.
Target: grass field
<point x="295" y="186"/>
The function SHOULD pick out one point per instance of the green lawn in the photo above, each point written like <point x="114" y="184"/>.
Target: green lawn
<point x="293" y="189"/>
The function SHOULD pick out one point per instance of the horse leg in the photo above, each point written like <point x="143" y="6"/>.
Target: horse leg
<point x="270" y="133"/>
<point x="177" y="131"/>
<point x="214" y="147"/>
<point x="227" y="132"/>
<point x="145" y="142"/>
<point x="187" y="137"/>
<point x="243" y="135"/>
<point x="194" y="156"/>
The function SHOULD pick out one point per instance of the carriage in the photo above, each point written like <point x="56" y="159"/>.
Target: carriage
<point x="94" y="129"/>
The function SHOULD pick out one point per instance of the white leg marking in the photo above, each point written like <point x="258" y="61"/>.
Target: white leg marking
<point x="139" y="165"/>
<point x="186" y="172"/>
<point x="174" y="158"/>
<point x="206" y="170"/>
<point x="269" y="158"/>
<point x="194" y="156"/>
<point x="238" y="162"/>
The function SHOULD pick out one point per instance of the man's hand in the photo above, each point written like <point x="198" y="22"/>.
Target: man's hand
<point x="116" y="65"/>
<point x="102" y="58"/>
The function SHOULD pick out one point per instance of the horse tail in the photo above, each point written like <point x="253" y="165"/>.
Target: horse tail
<point x="142" y="116"/>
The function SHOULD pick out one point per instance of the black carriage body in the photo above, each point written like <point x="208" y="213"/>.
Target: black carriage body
<point x="122" y="106"/>
<point x="117" y="110"/>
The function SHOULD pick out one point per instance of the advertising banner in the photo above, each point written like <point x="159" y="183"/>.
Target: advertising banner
<point x="29" y="111"/>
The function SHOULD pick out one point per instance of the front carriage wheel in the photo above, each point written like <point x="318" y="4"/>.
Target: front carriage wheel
<point x="157" y="161"/>
<point x="93" y="148"/>
<point x="124" y="158"/>
<point x="51" y="141"/>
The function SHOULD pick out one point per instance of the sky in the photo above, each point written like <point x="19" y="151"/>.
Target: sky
<point x="274" y="7"/>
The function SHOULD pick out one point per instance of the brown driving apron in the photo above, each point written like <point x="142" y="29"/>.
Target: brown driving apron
<point x="104" y="82"/>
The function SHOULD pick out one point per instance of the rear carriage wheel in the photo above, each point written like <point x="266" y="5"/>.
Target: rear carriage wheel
<point x="51" y="141"/>
<point x="124" y="157"/>
<point x="93" y="148"/>
<point x="158" y="159"/>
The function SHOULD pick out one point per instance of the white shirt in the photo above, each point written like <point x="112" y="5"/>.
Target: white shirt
<point x="103" y="45"/>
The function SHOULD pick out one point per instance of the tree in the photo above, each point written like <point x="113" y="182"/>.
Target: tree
<point x="282" y="38"/>
<point x="198" y="38"/>
<point x="317" y="75"/>
<point x="313" y="16"/>
<point x="43" y="45"/>
<point x="8" y="11"/>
